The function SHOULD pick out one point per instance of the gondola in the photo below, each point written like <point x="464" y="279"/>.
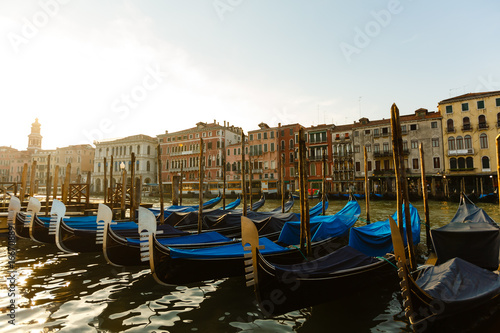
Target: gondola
<point x="217" y="230"/>
<point x="282" y="288"/>
<point x="488" y="197"/>
<point x="176" y="208"/>
<point x="23" y="220"/>
<point x="449" y="296"/>
<point x="183" y="266"/>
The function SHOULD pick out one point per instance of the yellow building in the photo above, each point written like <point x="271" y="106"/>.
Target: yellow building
<point x="471" y="123"/>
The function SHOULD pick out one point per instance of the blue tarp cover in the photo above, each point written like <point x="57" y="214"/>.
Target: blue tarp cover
<point x="344" y="258"/>
<point x="375" y="239"/>
<point x="317" y="209"/>
<point x="225" y="251"/>
<point x="323" y="227"/>
<point x="206" y="237"/>
<point x="93" y="225"/>
<point x="458" y="280"/>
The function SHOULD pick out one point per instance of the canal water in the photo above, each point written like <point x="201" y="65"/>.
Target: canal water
<point x="57" y="292"/>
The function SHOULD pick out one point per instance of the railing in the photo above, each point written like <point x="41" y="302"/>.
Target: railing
<point x="482" y="126"/>
<point x="450" y="130"/>
<point x="456" y="152"/>
<point x="383" y="154"/>
<point x="466" y="128"/>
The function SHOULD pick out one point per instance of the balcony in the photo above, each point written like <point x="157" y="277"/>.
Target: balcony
<point x="321" y="140"/>
<point x="450" y="130"/>
<point x="466" y="128"/>
<point x="498" y="124"/>
<point x="383" y="154"/>
<point x="457" y="152"/>
<point x="482" y="126"/>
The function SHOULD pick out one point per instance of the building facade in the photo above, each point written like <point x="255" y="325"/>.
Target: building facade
<point x="143" y="146"/>
<point x="181" y="150"/>
<point x="471" y="123"/>
<point x="342" y="167"/>
<point x="421" y="127"/>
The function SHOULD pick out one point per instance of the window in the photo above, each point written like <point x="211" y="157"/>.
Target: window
<point x="415" y="163"/>
<point x="498" y="119"/>
<point x="480" y="104"/>
<point x="466" y="124"/>
<point x="272" y="145"/>
<point x="385" y="130"/>
<point x="413" y="127"/>
<point x="482" y="122"/>
<point x="265" y="135"/>
<point x="405" y="145"/>
<point x="450" y="127"/>
<point x="375" y="132"/>
<point x="386" y="165"/>
<point x="356" y="133"/>
<point x="467" y="142"/>
<point x="259" y="136"/>
<point x="485" y="161"/>
<point x="369" y="165"/>
<point x="414" y="144"/>
<point x="449" y="109"/>
<point x="460" y="142"/>
<point x="451" y="143"/>
<point x="403" y="129"/>
<point x="469" y="163"/>
<point x="453" y="163"/>
<point x="377" y="165"/>
<point x="367" y="132"/>
<point x="291" y="157"/>
<point x="356" y="148"/>
<point x="435" y="142"/>
<point x="483" y="141"/>
<point x="282" y="144"/>
<point x="291" y="143"/>
<point x="437" y="163"/>
<point x="282" y="132"/>
<point x="358" y="166"/>
<point x="368" y="148"/>
<point x="376" y="148"/>
<point x="265" y="147"/>
<point x="228" y="152"/>
<point x="386" y="147"/>
<point x="465" y="106"/>
<point x="291" y="131"/>
<point x="434" y="124"/>
<point x="497" y="101"/>
<point x="461" y="163"/>
<point x="250" y="137"/>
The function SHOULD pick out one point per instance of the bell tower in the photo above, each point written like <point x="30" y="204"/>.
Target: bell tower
<point x="35" y="138"/>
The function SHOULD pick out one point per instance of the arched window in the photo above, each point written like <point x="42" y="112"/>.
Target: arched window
<point x="466" y="124"/>
<point x="469" y="162"/>
<point x="467" y="142"/>
<point x="149" y="150"/>
<point x="461" y="163"/>
<point x="451" y="143"/>
<point x="282" y="144"/>
<point x="453" y="163"/>
<point x="483" y="141"/>
<point x="485" y="161"/>
<point x="291" y="143"/>
<point x="450" y="127"/>
<point x="148" y="165"/>
<point x="482" y="121"/>
<point x="498" y="119"/>
<point x="460" y="142"/>
<point x="138" y="149"/>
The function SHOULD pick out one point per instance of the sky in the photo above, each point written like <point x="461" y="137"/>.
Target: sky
<point x="102" y="69"/>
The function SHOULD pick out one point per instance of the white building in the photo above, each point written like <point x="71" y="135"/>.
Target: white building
<point x="144" y="148"/>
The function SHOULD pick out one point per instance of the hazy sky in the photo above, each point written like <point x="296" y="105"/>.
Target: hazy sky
<point x="93" y="69"/>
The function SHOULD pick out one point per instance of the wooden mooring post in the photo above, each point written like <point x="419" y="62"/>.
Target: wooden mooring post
<point x="123" y="194"/>
<point x="111" y="197"/>
<point x="56" y="182"/>
<point x="105" y="182"/>
<point x="33" y="179"/>
<point x="305" y="232"/>
<point x="47" y="187"/>
<point x="223" y="177"/>
<point x="243" y="174"/>
<point x="426" y="203"/>
<point x="65" y="189"/>
<point x="200" y="188"/>
<point x="497" y="141"/>
<point x="323" y="183"/>
<point x="23" y="182"/>
<point x="250" y="169"/>
<point x="160" y="185"/>
<point x="132" y="187"/>
<point x="367" y="187"/>
<point x="401" y="182"/>
<point x="282" y="181"/>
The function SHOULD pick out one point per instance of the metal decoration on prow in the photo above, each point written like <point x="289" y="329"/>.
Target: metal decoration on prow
<point x="250" y="242"/>
<point x="147" y="227"/>
<point x="104" y="218"/>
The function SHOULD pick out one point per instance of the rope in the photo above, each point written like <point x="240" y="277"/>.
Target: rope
<point x="387" y="261"/>
<point x="300" y="252"/>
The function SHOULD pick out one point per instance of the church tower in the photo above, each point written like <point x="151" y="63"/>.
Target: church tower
<point x="35" y="138"/>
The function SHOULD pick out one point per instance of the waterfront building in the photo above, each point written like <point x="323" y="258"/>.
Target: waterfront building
<point x="342" y="167"/>
<point x="471" y="123"/>
<point x="319" y="139"/>
<point x="421" y="127"/>
<point x="7" y="158"/>
<point x="143" y="146"/>
<point x="263" y="157"/>
<point x="181" y="150"/>
<point x="288" y="151"/>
